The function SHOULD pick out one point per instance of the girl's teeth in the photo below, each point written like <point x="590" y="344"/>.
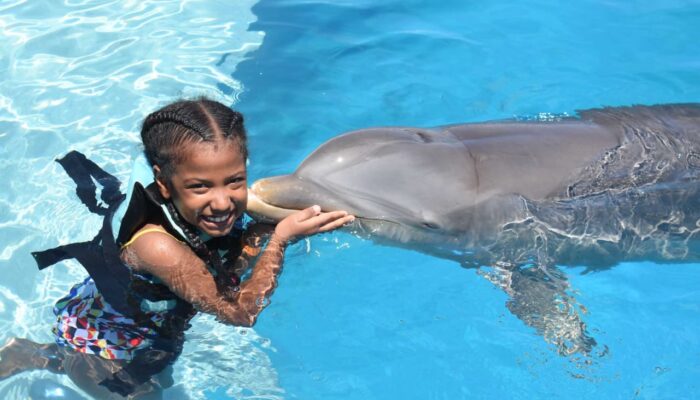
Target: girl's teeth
<point x="218" y="219"/>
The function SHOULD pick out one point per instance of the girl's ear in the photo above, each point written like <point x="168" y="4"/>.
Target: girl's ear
<point x="161" y="183"/>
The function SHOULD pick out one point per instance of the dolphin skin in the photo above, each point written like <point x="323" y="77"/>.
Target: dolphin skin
<point x="517" y="198"/>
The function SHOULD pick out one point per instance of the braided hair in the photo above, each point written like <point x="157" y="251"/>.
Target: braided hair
<point x="164" y="135"/>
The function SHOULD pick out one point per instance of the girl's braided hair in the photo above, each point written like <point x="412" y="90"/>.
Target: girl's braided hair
<point x="164" y="135"/>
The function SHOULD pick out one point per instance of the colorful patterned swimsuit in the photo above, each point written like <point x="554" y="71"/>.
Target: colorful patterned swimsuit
<point x="87" y="323"/>
<point x="143" y="322"/>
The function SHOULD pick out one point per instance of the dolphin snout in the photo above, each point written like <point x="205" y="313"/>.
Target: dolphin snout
<point x="264" y="198"/>
<point x="259" y="188"/>
<point x="276" y="197"/>
<point x="262" y="186"/>
<point x="285" y="191"/>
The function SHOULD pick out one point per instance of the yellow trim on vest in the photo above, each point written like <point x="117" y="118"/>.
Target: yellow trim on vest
<point x="145" y="231"/>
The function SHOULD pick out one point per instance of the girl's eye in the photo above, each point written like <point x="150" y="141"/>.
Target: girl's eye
<point x="236" y="181"/>
<point x="197" y="186"/>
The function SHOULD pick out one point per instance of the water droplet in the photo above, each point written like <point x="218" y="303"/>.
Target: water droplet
<point x="661" y="370"/>
<point x="262" y="302"/>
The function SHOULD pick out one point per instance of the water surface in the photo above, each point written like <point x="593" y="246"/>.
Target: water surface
<point x="350" y="319"/>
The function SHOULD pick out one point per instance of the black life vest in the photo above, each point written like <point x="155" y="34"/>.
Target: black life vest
<point x="123" y="215"/>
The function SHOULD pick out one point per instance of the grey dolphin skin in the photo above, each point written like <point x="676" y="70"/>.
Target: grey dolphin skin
<point x="516" y="199"/>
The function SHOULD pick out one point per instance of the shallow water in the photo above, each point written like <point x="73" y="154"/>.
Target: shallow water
<point x="82" y="75"/>
<point x="350" y="319"/>
<point x="386" y="323"/>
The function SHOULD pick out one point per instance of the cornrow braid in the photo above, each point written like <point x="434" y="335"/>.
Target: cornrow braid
<point x="160" y="117"/>
<point x="165" y="131"/>
<point x="236" y="122"/>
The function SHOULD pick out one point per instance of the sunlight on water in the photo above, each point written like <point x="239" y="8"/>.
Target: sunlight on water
<point x="234" y="358"/>
<point x="82" y="75"/>
<point x="351" y="319"/>
<point x="405" y="325"/>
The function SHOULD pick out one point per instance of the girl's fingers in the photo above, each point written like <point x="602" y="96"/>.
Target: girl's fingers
<point x="323" y="219"/>
<point x="336" y="223"/>
<point x="311" y="220"/>
<point x="308" y="213"/>
<point x="333" y="222"/>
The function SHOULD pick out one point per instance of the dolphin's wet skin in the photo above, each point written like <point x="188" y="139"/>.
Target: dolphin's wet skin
<point x="517" y="199"/>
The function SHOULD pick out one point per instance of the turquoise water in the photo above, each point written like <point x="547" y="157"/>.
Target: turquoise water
<point x="350" y="319"/>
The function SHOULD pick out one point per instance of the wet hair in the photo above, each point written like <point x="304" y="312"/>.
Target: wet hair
<point x="166" y="134"/>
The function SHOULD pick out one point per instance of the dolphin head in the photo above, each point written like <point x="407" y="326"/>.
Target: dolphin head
<point x="400" y="181"/>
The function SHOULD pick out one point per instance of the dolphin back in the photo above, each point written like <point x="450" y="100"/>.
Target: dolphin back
<point x="661" y="144"/>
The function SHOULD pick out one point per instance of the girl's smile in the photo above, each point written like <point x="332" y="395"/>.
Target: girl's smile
<point x="197" y="150"/>
<point x="209" y="185"/>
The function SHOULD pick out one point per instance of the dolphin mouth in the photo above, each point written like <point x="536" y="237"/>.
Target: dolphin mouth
<point x="263" y="211"/>
<point x="274" y="198"/>
<point x="262" y="208"/>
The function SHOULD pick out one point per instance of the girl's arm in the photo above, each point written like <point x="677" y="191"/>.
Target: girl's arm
<point x="188" y="277"/>
<point x="252" y="242"/>
<point x="254" y="293"/>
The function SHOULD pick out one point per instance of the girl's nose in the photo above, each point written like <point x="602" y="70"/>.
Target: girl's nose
<point x="221" y="201"/>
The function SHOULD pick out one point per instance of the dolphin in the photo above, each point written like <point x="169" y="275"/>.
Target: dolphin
<point x="516" y="198"/>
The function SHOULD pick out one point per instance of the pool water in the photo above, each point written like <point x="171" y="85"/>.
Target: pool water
<point x="350" y="319"/>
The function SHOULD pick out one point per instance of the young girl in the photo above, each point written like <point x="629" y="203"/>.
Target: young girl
<point x="172" y="246"/>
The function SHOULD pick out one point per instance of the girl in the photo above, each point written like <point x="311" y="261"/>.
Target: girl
<point x="174" y="245"/>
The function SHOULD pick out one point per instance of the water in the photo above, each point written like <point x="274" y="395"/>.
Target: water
<point x="350" y="319"/>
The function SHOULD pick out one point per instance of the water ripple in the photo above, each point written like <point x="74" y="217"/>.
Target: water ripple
<point x="82" y="75"/>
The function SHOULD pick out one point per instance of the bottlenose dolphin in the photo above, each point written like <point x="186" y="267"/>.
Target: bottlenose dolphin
<point x="519" y="197"/>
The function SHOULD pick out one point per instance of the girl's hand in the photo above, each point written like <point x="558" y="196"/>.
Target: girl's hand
<point x="310" y="221"/>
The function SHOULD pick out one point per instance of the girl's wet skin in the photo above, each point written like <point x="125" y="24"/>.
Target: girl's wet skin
<point x="209" y="186"/>
<point x="197" y="151"/>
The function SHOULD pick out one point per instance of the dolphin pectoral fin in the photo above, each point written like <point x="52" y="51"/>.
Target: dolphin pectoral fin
<point x="540" y="297"/>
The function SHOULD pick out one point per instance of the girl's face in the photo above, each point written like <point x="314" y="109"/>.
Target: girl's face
<point x="209" y="188"/>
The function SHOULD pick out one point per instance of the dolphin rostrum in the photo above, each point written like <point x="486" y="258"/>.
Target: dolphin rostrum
<point x="517" y="198"/>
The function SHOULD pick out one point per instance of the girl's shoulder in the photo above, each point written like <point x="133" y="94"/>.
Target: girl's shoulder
<point x="152" y="245"/>
<point x="145" y="230"/>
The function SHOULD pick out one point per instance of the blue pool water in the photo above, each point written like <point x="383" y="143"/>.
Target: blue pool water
<point x="350" y="319"/>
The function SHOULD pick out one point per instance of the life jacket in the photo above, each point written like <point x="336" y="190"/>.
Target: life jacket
<point x="124" y="215"/>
